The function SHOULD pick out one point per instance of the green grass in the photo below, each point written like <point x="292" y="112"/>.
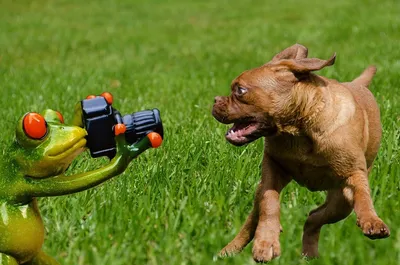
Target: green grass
<point x="181" y="203"/>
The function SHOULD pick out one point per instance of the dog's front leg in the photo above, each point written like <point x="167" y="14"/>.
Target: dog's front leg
<point x="266" y="239"/>
<point x="245" y="235"/>
<point x="367" y="219"/>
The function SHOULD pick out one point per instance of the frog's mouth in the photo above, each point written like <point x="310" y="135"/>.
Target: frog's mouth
<point x="67" y="149"/>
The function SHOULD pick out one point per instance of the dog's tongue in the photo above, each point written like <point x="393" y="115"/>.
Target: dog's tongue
<point x="239" y="126"/>
<point x="241" y="130"/>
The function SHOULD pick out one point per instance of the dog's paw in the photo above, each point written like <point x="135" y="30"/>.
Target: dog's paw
<point x="310" y="252"/>
<point x="310" y="247"/>
<point x="374" y="228"/>
<point x="308" y="257"/>
<point x="264" y="251"/>
<point x="229" y="250"/>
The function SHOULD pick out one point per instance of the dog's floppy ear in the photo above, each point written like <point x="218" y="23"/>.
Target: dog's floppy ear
<point x="296" y="51"/>
<point x="308" y="64"/>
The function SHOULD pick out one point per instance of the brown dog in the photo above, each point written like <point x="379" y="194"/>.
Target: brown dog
<point x="321" y="133"/>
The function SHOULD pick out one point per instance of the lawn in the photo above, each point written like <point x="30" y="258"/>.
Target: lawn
<point x="181" y="203"/>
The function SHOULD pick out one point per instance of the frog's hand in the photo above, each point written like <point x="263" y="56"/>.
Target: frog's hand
<point x="5" y="259"/>
<point x="153" y="140"/>
<point x="42" y="259"/>
<point x="61" y="185"/>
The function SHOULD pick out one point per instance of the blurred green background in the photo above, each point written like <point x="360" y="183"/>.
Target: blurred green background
<point x="181" y="203"/>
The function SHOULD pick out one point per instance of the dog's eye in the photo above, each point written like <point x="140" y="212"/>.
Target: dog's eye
<point x="241" y="90"/>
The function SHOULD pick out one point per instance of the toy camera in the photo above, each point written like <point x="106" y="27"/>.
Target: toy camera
<point x="102" y="122"/>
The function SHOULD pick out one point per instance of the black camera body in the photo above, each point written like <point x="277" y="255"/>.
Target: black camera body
<point x="99" y="119"/>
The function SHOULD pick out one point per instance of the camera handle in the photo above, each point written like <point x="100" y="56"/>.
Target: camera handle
<point x="119" y="127"/>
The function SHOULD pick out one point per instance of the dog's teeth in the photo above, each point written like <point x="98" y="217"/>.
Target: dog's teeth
<point x="231" y="133"/>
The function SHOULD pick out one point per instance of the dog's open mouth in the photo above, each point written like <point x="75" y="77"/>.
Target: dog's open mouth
<point x="242" y="133"/>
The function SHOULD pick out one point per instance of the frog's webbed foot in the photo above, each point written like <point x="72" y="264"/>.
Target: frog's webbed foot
<point x="7" y="260"/>
<point x="42" y="259"/>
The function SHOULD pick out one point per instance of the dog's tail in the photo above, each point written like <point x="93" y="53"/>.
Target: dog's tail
<point x="366" y="77"/>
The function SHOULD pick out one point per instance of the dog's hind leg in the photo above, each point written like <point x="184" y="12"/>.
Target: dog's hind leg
<point x="245" y="235"/>
<point x="335" y="208"/>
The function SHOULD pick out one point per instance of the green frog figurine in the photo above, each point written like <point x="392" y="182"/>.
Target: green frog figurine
<point x="34" y="166"/>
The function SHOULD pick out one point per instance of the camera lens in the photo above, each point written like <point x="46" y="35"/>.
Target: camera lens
<point x="139" y="124"/>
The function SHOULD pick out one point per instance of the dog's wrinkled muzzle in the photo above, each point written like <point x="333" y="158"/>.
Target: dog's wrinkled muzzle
<point x="219" y="110"/>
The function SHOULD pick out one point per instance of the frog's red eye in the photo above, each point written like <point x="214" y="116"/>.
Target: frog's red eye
<point x="35" y="125"/>
<point x="60" y="116"/>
